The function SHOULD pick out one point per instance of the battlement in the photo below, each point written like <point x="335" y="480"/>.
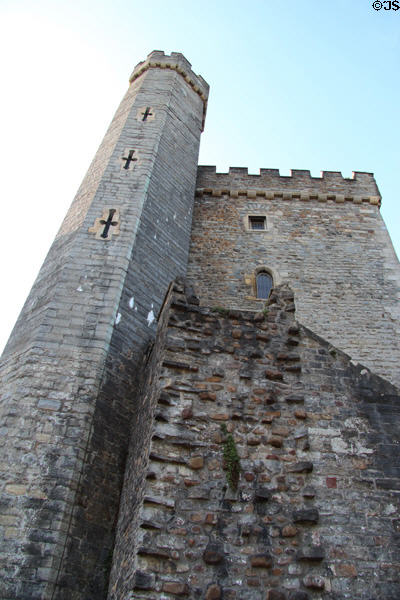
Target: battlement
<point x="176" y="62"/>
<point x="361" y="187"/>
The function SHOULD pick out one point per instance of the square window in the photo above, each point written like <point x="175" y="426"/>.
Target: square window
<point x="258" y="223"/>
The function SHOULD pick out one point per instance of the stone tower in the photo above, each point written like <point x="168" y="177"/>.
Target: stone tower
<point x="69" y="369"/>
<point x="323" y="235"/>
<point x="246" y="450"/>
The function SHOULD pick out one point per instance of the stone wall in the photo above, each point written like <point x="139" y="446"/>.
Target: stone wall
<point x="324" y="236"/>
<point x="122" y="574"/>
<point x="272" y="471"/>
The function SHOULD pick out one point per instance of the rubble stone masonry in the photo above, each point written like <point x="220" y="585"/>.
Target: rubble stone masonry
<point x="273" y="470"/>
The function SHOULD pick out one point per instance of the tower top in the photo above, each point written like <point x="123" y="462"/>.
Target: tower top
<point x="361" y="187"/>
<point x="176" y="62"/>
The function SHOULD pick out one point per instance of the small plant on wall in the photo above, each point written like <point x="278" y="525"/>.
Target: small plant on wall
<point x="231" y="458"/>
<point x="224" y="312"/>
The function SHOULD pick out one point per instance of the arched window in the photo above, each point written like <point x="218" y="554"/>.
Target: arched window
<point x="264" y="284"/>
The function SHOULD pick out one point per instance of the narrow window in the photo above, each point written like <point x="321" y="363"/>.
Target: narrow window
<point x="264" y="284"/>
<point x="257" y="222"/>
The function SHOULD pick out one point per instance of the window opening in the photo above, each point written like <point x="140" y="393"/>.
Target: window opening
<point x="257" y="222"/>
<point x="147" y="113"/>
<point x="109" y="223"/>
<point x="264" y="284"/>
<point x="128" y="159"/>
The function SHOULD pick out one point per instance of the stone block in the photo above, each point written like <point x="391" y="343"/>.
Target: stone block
<point x="301" y="467"/>
<point x="289" y="531"/>
<point x="276" y="595"/>
<point x="176" y="588"/>
<point x="143" y="581"/>
<point x="295" y="399"/>
<point x="196" y="462"/>
<point x="16" y="489"/>
<point x="299" y="596"/>
<point x="309" y="492"/>
<point x="261" y="561"/>
<point x="315" y="582"/>
<point x="273" y="375"/>
<point x="213" y="554"/>
<point x="311" y="553"/>
<point x="253" y="581"/>
<point x="306" y="515"/>
<point x="345" y="570"/>
<point x="262" y="494"/>
<point x="214" y="592"/>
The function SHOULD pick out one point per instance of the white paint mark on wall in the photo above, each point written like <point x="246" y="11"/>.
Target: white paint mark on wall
<point x="131" y="302"/>
<point x="339" y="446"/>
<point x="356" y="423"/>
<point x="118" y="318"/>
<point x="150" y="317"/>
<point x="390" y="509"/>
<point x="360" y="449"/>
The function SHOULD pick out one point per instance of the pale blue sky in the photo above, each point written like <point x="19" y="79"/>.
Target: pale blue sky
<point x="303" y="85"/>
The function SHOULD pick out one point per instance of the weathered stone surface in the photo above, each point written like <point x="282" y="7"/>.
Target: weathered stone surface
<point x="208" y="396"/>
<point x="263" y="561"/>
<point x="295" y="399"/>
<point x="273" y="374"/>
<point x="309" y="492"/>
<point x="156" y="552"/>
<point x="70" y="369"/>
<point x="347" y="236"/>
<point x="70" y="376"/>
<point x="262" y="494"/>
<point x="294" y="329"/>
<point x="213" y="554"/>
<point x="300" y="413"/>
<point x="306" y="515"/>
<point x="187" y="413"/>
<point x="275" y="595"/>
<point x="214" y="592"/>
<point x="311" y="553"/>
<point x="296" y="368"/>
<point x="314" y="582"/>
<point x="176" y="588"/>
<point x="196" y="462"/>
<point x="256" y="518"/>
<point x="301" y="467"/>
<point x="299" y="596"/>
<point x="163" y="501"/>
<point x="143" y="581"/>
<point x="345" y="570"/>
<point x="289" y="531"/>
<point x="288" y="356"/>
<point x="276" y="441"/>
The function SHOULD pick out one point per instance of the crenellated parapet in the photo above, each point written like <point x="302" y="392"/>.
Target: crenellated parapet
<point x="300" y="185"/>
<point x="176" y="62"/>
